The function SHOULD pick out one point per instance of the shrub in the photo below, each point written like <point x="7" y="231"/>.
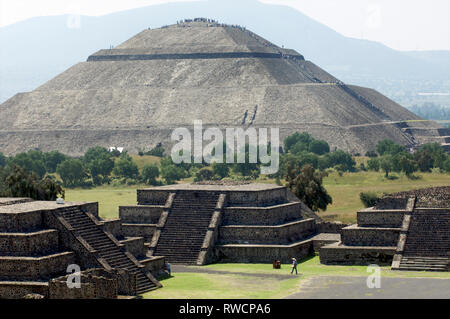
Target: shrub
<point x="149" y="174"/>
<point x="204" y="174"/>
<point x="72" y="172"/>
<point x="369" y="199"/>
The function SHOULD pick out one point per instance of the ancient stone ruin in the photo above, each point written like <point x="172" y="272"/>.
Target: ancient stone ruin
<point x="39" y="240"/>
<point x="408" y="230"/>
<point x="135" y="94"/>
<point x="215" y="222"/>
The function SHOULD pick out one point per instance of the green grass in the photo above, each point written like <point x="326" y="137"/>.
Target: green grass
<point x="226" y="286"/>
<point x="108" y="197"/>
<point x="345" y="190"/>
<point x="237" y="282"/>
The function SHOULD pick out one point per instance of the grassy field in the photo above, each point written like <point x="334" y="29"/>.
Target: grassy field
<point x="343" y="189"/>
<point x="238" y="281"/>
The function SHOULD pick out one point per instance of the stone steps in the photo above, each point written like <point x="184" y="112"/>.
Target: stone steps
<point x="183" y="234"/>
<point x="94" y="235"/>
<point x="427" y="245"/>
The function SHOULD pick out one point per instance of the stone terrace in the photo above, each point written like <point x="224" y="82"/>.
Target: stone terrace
<point x="238" y="222"/>
<point x="39" y="239"/>
<point x="409" y="230"/>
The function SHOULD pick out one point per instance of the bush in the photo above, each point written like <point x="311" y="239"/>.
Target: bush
<point x="373" y="164"/>
<point x="306" y="184"/>
<point x="172" y="173"/>
<point x="32" y="161"/>
<point x="2" y="160"/>
<point x="371" y="154"/>
<point x="20" y="183"/>
<point x="149" y="174"/>
<point x="369" y="199"/>
<point x="222" y="170"/>
<point x="158" y="151"/>
<point x="72" y="172"/>
<point x="205" y="174"/>
<point x="53" y="159"/>
<point x="126" y="168"/>
<point x="389" y="147"/>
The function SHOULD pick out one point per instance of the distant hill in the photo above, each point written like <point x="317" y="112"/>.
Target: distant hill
<point x="35" y="50"/>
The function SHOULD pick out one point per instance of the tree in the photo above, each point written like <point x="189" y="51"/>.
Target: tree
<point x="369" y="199"/>
<point x="20" y="183"/>
<point x="149" y="174"/>
<point x="373" y="164"/>
<point x="2" y="160"/>
<point x="371" y="154"/>
<point x="301" y="142"/>
<point x="341" y="158"/>
<point x="32" y="161"/>
<point x="73" y="172"/>
<point x="387" y="146"/>
<point x="319" y="147"/>
<point x="205" y="174"/>
<point x="386" y="164"/>
<point x="424" y="160"/>
<point x="306" y="184"/>
<point x="404" y="162"/>
<point x="172" y="173"/>
<point x="100" y="163"/>
<point x="222" y="170"/>
<point x="52" y="160"/>
<point x="125" y="167"/>
<point x="158" y="151"/>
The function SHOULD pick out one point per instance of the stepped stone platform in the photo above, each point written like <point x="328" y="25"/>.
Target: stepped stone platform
<point x="134" y="96"/>
<point x="40" y="239"/>
<point x="408" y="230"/>
<point x="208" y="222"/>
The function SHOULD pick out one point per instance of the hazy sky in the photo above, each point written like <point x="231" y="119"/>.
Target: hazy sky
<point x="399" y="24"/>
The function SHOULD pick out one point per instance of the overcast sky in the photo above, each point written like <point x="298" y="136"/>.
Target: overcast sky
<point x="399" y="24"/>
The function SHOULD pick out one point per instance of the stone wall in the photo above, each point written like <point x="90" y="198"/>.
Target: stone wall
<point x="29" y="244"/>
<point x="18" y="290"/>
<point x="273" y="215"/>
<point x="380" y="218"/>
<point x="330" y="227"/>
<point x="185" y="56"/>
<point x="140" y="214"/>
<point x="113" y="226"/>
<point x="152" y="197"/>
<point x="390" y="202"/>
<point x="139" y="230"/>
<point x="95" y="284"/>
<point x="20" y="221"/>
<point x="31" y="268"/>
<point x="263" y="253"/>
<point x="257" y="198"/>
<point x="370" y="236"/>
<point x="329" y="255"/>
<point x="282" y="234"/>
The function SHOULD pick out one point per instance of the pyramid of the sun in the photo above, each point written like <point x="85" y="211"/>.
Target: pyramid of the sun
<point x="134" y="95"/>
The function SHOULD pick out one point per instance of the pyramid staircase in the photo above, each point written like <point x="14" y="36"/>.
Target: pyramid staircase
<point x="182" y="237"/>
<point x="427" y="245"/>
<point x="85" y="226"/>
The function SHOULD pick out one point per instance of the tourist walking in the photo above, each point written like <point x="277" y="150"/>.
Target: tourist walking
<point x="294" y="266"/>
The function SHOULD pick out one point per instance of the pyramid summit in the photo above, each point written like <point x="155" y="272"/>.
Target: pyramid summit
<point x="135" y="94"/>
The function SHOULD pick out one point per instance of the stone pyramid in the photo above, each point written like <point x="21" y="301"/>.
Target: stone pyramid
<point x="134" y="95"/>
